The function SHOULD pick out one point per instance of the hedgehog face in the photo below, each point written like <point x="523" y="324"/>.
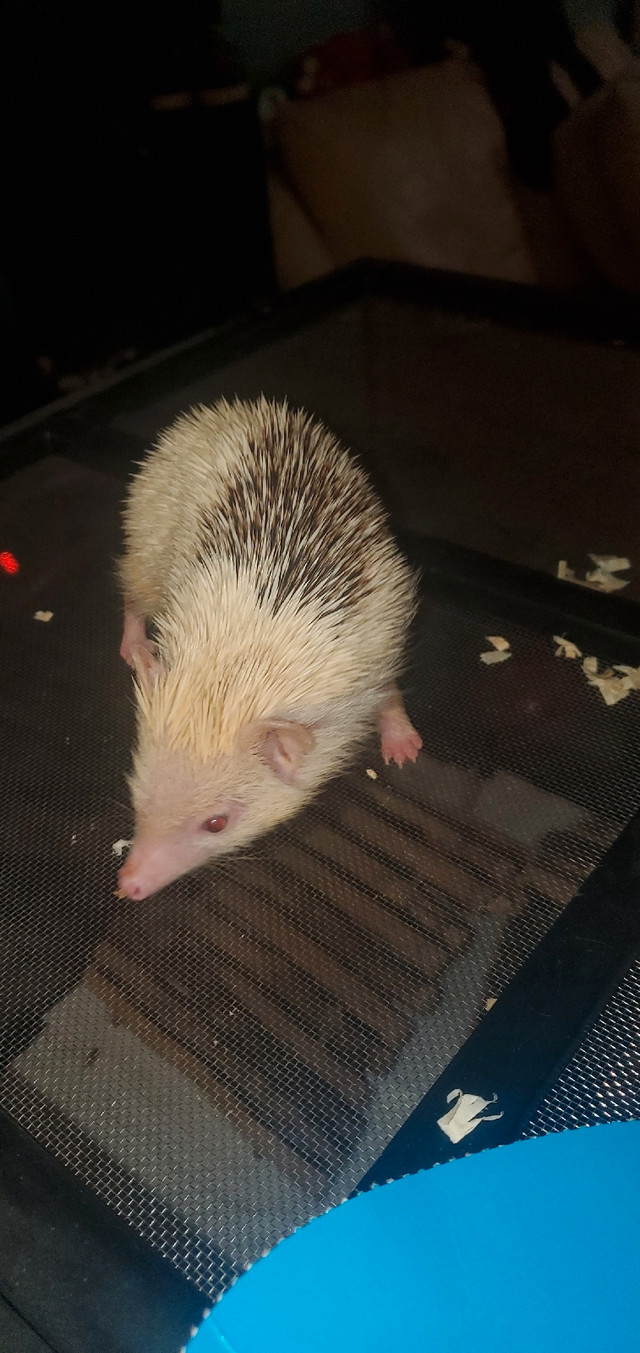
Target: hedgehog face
<point x="189" y="813"/>
<point x="160" y="854"/>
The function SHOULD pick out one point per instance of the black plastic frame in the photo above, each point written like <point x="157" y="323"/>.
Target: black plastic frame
<point x="537" y="1023"/>
<point x="76" y="1274"/>
<point x="606" y="319"/>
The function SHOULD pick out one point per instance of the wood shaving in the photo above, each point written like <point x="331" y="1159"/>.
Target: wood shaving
<point x="612" y="688"/>
<point x="373" y="774"/>
<point x="45" y="616"/>
<point x="498" y="642"/>
<point x="611" y="563"/>
<point x="464" y="1117"/>
<point x="605" y="582"/>
<point x="567" y="575"/>
<point x="602" y="578"/>
<point x="633" y="673"/>
<point x="490" y="1002"/>
<point x="565" y="648"/>
<point x="495" y="655"/>
<point x="117" y="892"/>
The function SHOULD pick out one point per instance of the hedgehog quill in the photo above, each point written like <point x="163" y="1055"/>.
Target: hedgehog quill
<point x="259" y="554"/>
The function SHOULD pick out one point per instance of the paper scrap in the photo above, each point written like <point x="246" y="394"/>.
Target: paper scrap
<point x="494" y="655"/>
<point x="464" y="1117"/>
<point x="612" y="688"/>
<point x="373" y="774"/>
<point x="119" y="846"/>
<point x="565" y="648"/>
<point x="498" y="642"/>
<point x="45" y="616"/>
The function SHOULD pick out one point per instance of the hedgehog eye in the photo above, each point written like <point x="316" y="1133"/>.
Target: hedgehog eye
<point x="215" y="824"/>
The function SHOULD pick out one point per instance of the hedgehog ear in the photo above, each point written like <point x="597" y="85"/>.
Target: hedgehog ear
<point x="147" y="665"/>
<point x="284" y="746"/>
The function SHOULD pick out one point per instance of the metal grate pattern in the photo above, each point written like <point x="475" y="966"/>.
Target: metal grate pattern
<point x="228" y="1059"/>
<point x="601" y="1083"/>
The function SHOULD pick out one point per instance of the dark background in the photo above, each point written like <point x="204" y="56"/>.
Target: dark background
<point x="132" y="163"/>
<point x="126" y="224"/>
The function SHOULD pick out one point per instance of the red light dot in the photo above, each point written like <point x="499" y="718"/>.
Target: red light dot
<point x="8" y="562"/>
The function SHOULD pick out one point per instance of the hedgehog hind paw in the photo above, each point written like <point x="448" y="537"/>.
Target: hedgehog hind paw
<point x="134" y="635"/>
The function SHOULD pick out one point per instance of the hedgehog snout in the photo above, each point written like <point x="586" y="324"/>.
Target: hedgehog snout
<point x="153" y="862"/>
<point x="158" y="856"/>
<point x="138" y="878"/>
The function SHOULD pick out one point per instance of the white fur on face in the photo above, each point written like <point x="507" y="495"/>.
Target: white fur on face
<point x="173" y="796"/>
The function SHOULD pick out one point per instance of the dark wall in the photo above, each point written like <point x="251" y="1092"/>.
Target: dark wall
<point x="125" y="223"/>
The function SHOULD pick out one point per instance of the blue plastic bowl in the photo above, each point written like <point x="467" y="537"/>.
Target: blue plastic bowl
<point x="530" y="1248"/>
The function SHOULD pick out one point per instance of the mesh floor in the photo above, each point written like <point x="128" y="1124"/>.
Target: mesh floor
<point x="601" y="1083"/>
<point x="228" y="1059"/>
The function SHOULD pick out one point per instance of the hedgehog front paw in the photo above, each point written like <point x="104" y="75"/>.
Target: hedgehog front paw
<point x="399" y="740"/>
<point x="400" y="745"/>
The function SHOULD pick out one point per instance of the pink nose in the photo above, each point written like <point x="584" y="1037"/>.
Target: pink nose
<point x="130" y="884"/>
<point x="145" y="871"/>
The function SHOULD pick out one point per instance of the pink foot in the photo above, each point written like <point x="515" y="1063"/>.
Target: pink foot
<point x="398" y="738"/>
<point x="134" y="634"/>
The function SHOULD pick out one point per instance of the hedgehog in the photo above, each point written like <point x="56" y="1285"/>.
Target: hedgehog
<point x="266" y="609"/>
